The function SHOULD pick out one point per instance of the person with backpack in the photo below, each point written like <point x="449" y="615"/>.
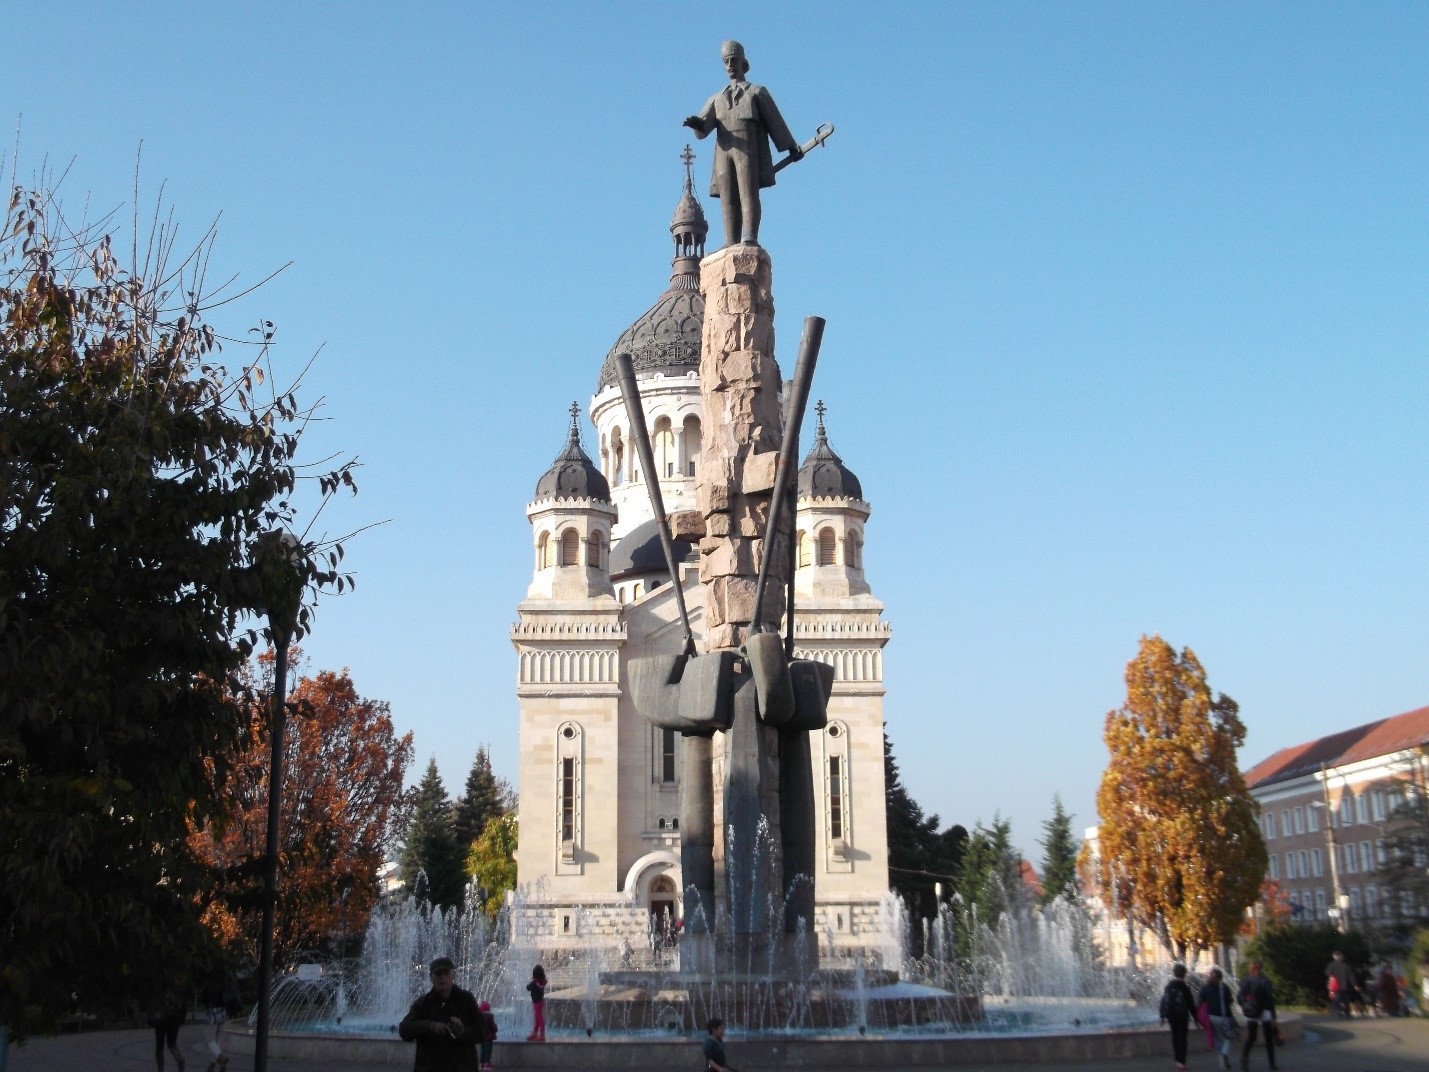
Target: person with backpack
<point x="1257" y="1002"/>
<point x="1177" y="1002"/>
<point x="1216" y="996"/>
<point x="1340" y="982"/>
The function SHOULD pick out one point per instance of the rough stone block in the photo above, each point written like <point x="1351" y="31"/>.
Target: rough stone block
<point x="724" y="635"/>
<point x="687" y="525"/>
<point x="711" y="498"/>
<point x="759" y="471"/>
<point x="717" y="525"/>
<point x="735" y="595"/>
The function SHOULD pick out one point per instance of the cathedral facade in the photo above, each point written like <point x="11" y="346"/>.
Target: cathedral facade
<point x="598" y="861"/>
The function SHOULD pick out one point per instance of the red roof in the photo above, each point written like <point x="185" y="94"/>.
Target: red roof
<point x="1388" y="735"/>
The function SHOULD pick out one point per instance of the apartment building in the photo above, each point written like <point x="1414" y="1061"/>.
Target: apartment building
<point x="1324" y="807"/>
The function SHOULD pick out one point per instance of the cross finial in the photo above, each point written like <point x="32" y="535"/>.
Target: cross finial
<point x="821" y="409"/>
<point x="688" y="156"/>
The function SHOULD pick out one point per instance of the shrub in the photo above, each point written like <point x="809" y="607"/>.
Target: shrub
<point x="1295" y="955"/>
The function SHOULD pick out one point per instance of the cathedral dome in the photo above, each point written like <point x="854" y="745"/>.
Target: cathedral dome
<point x="667" y="338"/>
<point x="639" y="551"/>
<point x="823" y="474"/>
<point x="573" y="475"/>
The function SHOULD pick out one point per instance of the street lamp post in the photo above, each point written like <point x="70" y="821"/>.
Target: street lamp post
<point x="1342" y="901"/>
<point x="285" y="586"/>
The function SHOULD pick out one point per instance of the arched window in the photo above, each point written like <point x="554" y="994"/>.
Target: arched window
<point x="570" y="548"/>
<point x="853" y="550"/>
<point x="692" y="445"/>
<point x="595" y="551"/>
<point x="806" y="549"/>
<point x="662" y="440"/>
<point x="617" y="457"/>
<point x="545" y="558"/>
<point x="828" y="547"/>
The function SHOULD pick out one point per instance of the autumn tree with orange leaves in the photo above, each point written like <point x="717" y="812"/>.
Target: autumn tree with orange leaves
<point x="343" y="770"/>
<point x="1180" y="849"/>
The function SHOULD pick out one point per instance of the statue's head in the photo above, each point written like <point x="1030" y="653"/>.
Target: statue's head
<point x="735" y="63"/>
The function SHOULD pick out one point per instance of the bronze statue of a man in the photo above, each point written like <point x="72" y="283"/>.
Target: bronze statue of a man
<point x="745" y="119"/>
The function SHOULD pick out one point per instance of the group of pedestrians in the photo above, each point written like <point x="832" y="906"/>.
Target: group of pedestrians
<point x="219" y="999"/>
<point x="1214" y="1008"/>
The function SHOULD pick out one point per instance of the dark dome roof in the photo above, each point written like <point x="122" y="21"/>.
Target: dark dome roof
<point x="573" y="475"/>
<point x="823" y="474"/>
<point x="638" y="551"/>
<point x="667" y="338"/>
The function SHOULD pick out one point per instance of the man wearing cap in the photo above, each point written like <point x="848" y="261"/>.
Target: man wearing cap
<point x="445" y="1024"/>
<point x="744" y="119"/>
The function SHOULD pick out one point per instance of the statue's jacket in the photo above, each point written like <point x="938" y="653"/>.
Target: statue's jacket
<point x="752" y="119"/>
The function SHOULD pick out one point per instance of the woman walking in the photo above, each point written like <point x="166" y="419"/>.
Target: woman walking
<point x="1217" y="998"/>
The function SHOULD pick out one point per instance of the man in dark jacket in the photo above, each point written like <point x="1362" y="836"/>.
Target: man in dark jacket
<point x="445" y="1022"/>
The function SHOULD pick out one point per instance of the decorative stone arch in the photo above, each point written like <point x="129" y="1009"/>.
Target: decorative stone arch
<point x="545" y="551"/>
<point x="645" y="874"/>
<point x="806" y="549"/>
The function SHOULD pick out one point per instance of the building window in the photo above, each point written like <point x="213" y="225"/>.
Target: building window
<point x="1319" y="904"/>
<point x="595" y="551"/>
<point x="545" y="553"/>
<point x="836" y="799"/>
<point x="1377" y="800"/>
<point x="1290" y="865"/>
<point x="1346" y="810"/>
<point x="1366" y="857"/>
<point x="853" y="551"/>
<point x="1274" y="866"/>
<point x="1285" y="827"/>
<point x="806" y="550"/>
<point x="691" y="443"/>
<point x="828" y="547"/>
<point x="1267" y="824"/>
<point x="570" y="548"/>
<point x="1312" y="819"/>
<point x="1299" y="820"/>
<point x="1379" y="854"/>
<point x="1349" y="859"/>
<point x="1361" y="809"/>
<point x="568" y="799"/>
<point x="662" y="442"/>
<point x="1317" y="863"/>
<point x="667" y="756"/>
<point x="1304" y="864"/>
<point x="1371" y="903"/>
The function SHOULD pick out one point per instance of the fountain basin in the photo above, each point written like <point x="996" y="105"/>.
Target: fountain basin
<point x="765" y="1051"/>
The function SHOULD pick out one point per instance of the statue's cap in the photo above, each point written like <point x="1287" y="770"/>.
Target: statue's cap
<point x="731" y="48"/>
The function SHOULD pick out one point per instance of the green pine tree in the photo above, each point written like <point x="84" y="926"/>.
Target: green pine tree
<point x="431" y="845"/>
<point x="485" y="798"/>
<point x="1059" y="856"/>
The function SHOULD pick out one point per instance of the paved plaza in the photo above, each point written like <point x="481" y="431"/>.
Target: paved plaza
<point x="1375" y="1045"/>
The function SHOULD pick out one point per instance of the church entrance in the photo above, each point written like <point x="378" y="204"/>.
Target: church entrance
<point x="662" y="912"/>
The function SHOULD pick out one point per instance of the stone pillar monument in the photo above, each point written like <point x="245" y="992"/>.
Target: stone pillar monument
<point x="739" y="387"/>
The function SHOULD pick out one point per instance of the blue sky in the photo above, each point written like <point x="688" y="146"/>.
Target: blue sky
<point x="1127" y="322"/>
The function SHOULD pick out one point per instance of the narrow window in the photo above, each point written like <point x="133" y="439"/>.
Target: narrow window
<point x="667" y="756"/>
<point x="1317" y="862"/>
<point x="836" y="800"/>
<point x="1361" y="809"/>
<point x="545" y="559"/>
<point x="828" y="548"/>
<point x="1312" y="819"/>
<point x="806" y="550"/>
<point x="595" y="551"/>
<point x="568" y="800"/>
<point x="1299" y="820"/>
<point x="1275" y="867"/>
<point x="570" y="548"/>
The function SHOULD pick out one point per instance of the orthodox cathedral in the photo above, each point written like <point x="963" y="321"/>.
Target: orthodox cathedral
<point x="599" y="855"/>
